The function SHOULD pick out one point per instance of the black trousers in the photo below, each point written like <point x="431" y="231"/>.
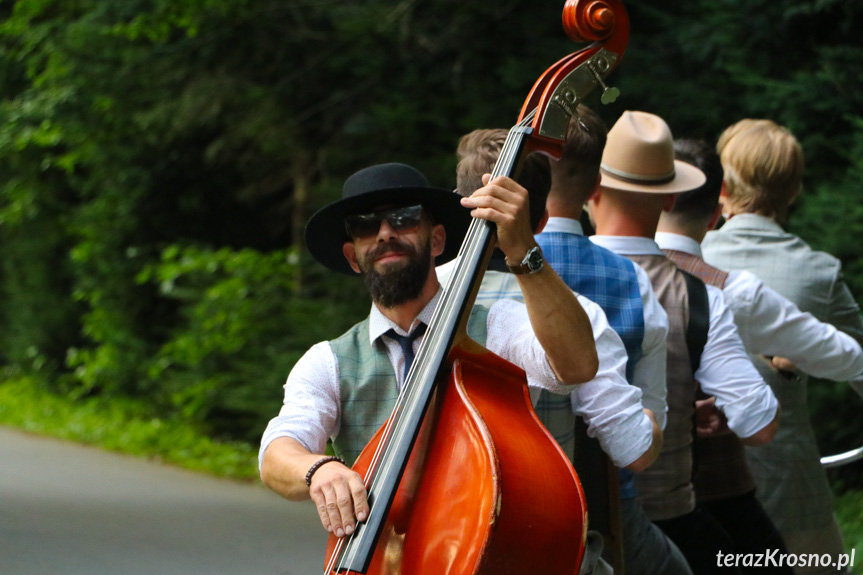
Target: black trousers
<point x="701" y="539"/>
<point x="750" y="528"/>
<point x="738" y="526"/>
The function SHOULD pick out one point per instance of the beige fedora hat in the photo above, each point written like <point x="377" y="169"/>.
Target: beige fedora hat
<point x="639" y="157"/>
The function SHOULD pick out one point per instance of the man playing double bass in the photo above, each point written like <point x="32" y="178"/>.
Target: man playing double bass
<point x="392" y="227"/>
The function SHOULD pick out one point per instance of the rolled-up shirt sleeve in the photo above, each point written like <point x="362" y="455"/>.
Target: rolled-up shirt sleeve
<point x="650" y="370"/>
<point x="511" y="336"/>
<point x="611" y="407"/>
<point x="727" y="373"/>
<point x="771" y="325"/>
<point x="310" y="410"/>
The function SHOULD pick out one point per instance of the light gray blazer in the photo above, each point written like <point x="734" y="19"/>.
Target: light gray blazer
<point x="791" y="484"/>
<point x="786" y="264"/>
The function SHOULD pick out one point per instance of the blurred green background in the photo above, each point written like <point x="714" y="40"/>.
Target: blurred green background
<point x="159" y="158"/>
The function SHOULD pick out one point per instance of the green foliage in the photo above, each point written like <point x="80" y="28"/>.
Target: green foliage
<point x="43" y="321"/>
<point x="38" y="317"/>
<point x="849" y="514"/>
<point x="121" y="425"/>
<point x="831" y="218"/>
<point x="159" y="159"/>
<point x="144" y="125"/>
<point x="245" y="323"/>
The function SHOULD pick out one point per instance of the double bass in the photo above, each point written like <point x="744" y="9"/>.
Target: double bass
<point x="463" y="478"/>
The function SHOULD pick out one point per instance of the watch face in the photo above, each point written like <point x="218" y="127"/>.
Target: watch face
<point x="535" y="259"/>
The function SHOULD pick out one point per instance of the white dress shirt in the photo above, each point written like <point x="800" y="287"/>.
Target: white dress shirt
<point x="612" y="409"/>
<point x="771" y="325"/>
<point x="649" y="373"/>
<point x="311" y="409"/>
<point x="725" y="370"/>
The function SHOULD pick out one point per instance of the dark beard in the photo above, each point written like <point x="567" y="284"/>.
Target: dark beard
<point x="393" y="287"/>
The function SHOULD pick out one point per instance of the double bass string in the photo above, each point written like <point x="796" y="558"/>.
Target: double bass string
<point x="391" y="453"/>
<point x="555" y="93"/>
<point x="475" y="233"/>
<point x="410" y="393"/>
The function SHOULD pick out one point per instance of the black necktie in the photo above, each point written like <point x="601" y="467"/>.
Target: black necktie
<point x="407" y="344"/>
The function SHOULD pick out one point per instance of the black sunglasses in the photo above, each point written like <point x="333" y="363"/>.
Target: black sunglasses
<point x="399" y="219"/>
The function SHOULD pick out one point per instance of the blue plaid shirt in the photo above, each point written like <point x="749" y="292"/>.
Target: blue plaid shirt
<point x="608" y="279"/>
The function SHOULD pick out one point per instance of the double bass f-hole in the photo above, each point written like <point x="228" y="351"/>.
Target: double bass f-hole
<point x="446" y="474"/>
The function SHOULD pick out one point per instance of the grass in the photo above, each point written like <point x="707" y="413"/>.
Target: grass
<point x="120" y="426"/>
<point x="849" y="513"/>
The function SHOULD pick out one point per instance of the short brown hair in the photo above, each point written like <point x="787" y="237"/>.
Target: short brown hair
<point x="478" y="152"/>
<point x="701" y="202"/>
<point x="582" y="153"/>
<point x="763" y="165"/>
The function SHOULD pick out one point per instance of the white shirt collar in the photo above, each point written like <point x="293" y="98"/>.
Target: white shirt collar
<point x="379" y="324"/>
<point x="564" y="225"/>
<point x="628" y="245"/>
<point x="678" y="242"/>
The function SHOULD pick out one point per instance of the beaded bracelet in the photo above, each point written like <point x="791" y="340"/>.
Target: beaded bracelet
<point x="317" y="466"/>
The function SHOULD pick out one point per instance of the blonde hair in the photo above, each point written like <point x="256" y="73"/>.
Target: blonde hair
<point x="763" y="165"/>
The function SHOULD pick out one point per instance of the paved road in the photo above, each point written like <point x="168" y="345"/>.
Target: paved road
<point x="72" y="510"/>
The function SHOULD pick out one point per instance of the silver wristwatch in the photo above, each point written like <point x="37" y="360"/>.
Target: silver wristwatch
<point x="532" y="262"/>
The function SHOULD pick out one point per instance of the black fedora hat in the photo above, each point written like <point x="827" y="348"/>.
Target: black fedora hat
<point x="384" y="185"/>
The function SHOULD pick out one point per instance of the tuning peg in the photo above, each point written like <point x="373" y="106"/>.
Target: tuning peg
<point x="609" y="94"/>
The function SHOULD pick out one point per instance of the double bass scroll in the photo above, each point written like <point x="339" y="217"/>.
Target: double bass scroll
<point x="556" y="95"/>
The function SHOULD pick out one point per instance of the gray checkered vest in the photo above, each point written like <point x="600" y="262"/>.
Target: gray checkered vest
<point x="367" y="383"/>
<point x="665" y="488"/>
